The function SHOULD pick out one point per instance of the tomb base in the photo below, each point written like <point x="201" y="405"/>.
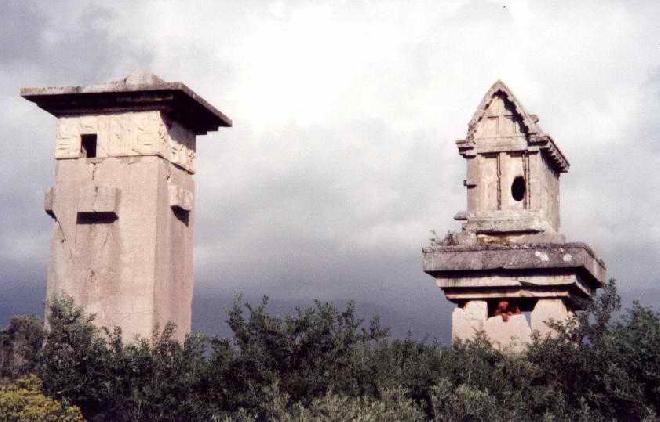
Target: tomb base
<point x="508" y="291"/>
<point x="509" y="330"/>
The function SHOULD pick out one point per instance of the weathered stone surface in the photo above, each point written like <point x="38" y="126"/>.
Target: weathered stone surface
<point x="123" y="200"/>
<point x="510" y="247"/>
<point x="98" y="199"/>
<point x="490" y="271"/>
<point x="137" y="92"/>
<point x="468" y="319"/>
<point x="509" y="331"/>
<point x="180" y="198"/>
<point x="548" y="310"/>
<point x="135" y="270"/>
<point x="512" y="256"/>
<point x="505" y="144"/>
<point x="128" y="134"/>
<point x="513" y="334"/>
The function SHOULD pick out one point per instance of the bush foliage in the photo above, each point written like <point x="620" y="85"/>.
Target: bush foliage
<point x="325" y="364"/>
<point x="24" y="401"/>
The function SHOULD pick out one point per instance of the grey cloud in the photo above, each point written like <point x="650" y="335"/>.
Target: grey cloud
<point x="67" y="44"/>
<point x="20" y="24"/>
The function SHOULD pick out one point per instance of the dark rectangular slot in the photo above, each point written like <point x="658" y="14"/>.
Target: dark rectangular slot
<point x="96" y="218"/>
<point x="88" y="146"/>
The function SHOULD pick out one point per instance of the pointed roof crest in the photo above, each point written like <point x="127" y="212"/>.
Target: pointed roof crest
<point x="535" y="135"/>
<point x="529" y="120"/>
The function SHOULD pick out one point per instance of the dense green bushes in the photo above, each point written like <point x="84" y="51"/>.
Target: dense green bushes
<point x="324" y="364"/>
<point x="20" y="343"/>
<point x="23" y="400"/>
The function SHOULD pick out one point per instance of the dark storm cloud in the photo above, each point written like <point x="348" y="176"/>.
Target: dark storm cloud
<point x="67" y="44"/>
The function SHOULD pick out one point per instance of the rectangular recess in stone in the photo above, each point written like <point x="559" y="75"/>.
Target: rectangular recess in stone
<point x="96" y="218"/>
<point x="88" y="144"/>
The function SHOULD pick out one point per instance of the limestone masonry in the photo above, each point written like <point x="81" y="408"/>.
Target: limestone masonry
<point x="123" y="198"/>
<point x="510" y="258"/>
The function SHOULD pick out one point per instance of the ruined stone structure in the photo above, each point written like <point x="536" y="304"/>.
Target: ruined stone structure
<point x="123" y="198"/>
<point x="510" y="259"/>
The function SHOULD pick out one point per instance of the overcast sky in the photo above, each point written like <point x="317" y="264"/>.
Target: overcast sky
<point x="342" y="155"/>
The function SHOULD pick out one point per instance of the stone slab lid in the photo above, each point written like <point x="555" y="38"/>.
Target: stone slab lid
<point x="139" y="91"/>
<point x="460" y="261"/>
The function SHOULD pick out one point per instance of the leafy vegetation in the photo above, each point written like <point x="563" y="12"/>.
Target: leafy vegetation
<point x="23" y="400"/>
<point x="20" y="343"/>
<point x="325" y="364"/>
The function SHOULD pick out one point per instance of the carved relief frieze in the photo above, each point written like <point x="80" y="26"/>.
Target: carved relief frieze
<point x="128" y="134"/>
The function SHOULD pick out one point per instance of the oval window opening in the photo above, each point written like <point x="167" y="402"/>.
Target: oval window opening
<point x="518" y="188"/>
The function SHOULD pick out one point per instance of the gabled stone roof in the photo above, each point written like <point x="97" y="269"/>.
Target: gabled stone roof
<point x="534" y="133"/>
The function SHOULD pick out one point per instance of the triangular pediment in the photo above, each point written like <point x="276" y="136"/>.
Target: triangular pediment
<point x="501" y="122"/>
<point x="500" y="114"/>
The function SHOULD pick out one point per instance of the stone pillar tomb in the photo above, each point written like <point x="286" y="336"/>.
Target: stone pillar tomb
<point x="123" y="199"/>
<point x="510" y="259"/>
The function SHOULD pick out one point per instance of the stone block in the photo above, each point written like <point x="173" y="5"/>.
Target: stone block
<point x="123" y="134"/>
<point x="468" y="319"/>
<point x="511" y="335"/>
<point x="546" y="310"/>
<point x="508" y="222"/>
<point x="180" y="198"/>
<point x="459" y="260"/>
<point x="98" y="199"/>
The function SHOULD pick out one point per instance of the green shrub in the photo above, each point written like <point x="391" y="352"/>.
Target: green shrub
<point x="19" y="344"/>
<point x="308" y="354"/>
<point x="392" y="405"/>
<point x="321" y="363"/>
<point x="151" y="379"/>
<point x="24" y="401"/>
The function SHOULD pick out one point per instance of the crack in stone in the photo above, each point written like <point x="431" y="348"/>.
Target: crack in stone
<point x="66" y="241"/>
